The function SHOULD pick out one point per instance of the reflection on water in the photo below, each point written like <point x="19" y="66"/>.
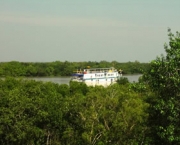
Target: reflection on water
<point x="65" y="80"/>
<point x="58" y="80"/>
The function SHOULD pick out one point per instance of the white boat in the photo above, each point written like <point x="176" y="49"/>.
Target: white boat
<point x="97" y="76"/>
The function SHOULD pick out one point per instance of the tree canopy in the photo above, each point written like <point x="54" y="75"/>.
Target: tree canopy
<point x="46" y="113"/>
<point x="163" y="79"/>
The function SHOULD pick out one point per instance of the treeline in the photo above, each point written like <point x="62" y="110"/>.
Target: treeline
<point x="58" y="68"/>
<point x="37" y="113"/>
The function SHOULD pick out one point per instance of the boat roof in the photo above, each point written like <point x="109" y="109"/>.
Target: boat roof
<point x="77" y="74"/>
<point x="110" y="68"/>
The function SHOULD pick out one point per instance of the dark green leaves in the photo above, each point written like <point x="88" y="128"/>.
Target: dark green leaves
<point x="163" y="79"/>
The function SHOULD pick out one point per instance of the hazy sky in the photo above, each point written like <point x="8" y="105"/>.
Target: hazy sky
<point x="86" y="30"/>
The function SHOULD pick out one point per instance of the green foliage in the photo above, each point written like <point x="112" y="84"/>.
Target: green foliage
<point x="31" y="112"/>
<point x="77" y="87"/>
<point x="138" y="87"/>
<point x="123" y="80"/>
<point x="110" y="115"/>
<point x="163" y="79"/>
<point x="45" y="113"/>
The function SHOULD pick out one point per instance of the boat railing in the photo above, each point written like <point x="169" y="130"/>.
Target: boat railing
<point x="90" y="71"/>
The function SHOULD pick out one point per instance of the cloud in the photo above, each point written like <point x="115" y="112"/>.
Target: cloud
<point x="61" y="21"/>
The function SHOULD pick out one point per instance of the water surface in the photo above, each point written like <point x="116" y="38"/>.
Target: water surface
<point x="65" y="80"/>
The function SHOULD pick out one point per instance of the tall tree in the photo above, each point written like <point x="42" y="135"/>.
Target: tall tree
<point x="163" y="78"/>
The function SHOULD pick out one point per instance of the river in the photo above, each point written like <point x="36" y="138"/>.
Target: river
<point x="65" y="80"/>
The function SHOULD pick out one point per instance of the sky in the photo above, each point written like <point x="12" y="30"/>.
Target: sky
<point x="86" y="30"/>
